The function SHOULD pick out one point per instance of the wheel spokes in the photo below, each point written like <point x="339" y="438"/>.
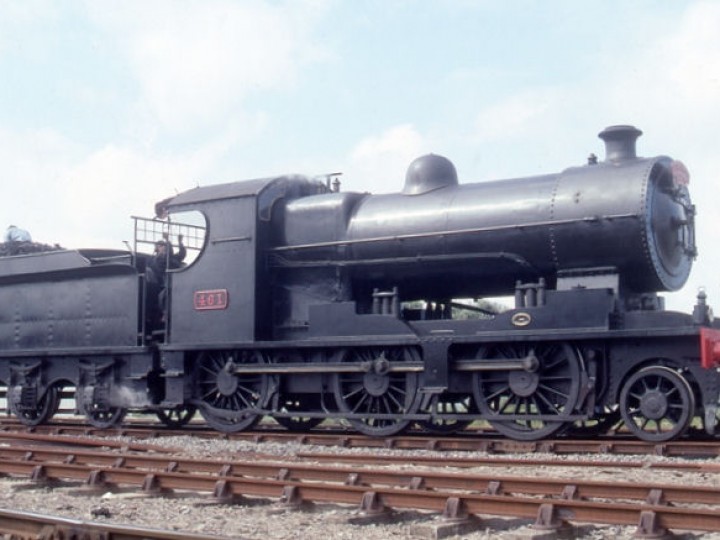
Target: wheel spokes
<point x="366" y="395"/>
<point x="551" y="390"/>
<point x="231" y="400"/>
<point x="657" y="403"/>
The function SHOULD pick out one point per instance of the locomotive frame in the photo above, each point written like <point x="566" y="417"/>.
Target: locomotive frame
<point x="298" y="306"/>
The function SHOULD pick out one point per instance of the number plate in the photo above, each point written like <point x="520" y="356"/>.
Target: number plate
<point x="207" y="300"/>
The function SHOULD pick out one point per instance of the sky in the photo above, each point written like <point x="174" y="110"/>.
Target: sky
<point x="107" y="106"/>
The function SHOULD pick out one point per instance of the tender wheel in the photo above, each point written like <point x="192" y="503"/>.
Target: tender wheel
<point x="448" y="404"/>
<point x="177" y="417"/>
<point x="657" y="404"/>
<point x="382" y="397"/>
<point x="297" y="403"/>
<point x="522" y="404"/>
<point x="98" y="414"/>
<point x="45" y="408"/>
<point x="229" y="401"/>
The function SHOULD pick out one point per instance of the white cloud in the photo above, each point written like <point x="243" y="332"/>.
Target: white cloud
<point x="68" y="194"/>
<point x="666" y="83"/>
<point x="122" y="182"/>
<point x="192" y="65"/>
<point x="19" y="17"/>
<point x="34" y="164"/>
<point x="670" y="84"/>
<point x="691" y="58"/>
<point x="378" y="163"/>
<point x="516" y="115"/>
<point x="196" y="60"/>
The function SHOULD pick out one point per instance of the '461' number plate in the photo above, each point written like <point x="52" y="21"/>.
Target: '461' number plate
<point x="214" y="299"/>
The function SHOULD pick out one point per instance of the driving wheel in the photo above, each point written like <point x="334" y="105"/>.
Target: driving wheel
<point x="230" y="401"/>
<point x="378" y="398"/>
<point x="529" y="404"/>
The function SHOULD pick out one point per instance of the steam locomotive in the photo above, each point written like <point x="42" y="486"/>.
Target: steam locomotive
<point x="304" y="303"/>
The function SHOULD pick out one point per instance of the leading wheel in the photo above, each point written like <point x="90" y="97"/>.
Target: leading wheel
<point x="657" y="404"/>
<point x="230" y="401"/>
<point x="529" y="405"/>
<point x="379" y="399"/>
<point x="44" y="409"/>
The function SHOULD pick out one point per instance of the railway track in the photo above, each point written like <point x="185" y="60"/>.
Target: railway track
<point x="493" y="461"/>
<point x="26" y="460"/>
<point x="20" y="525"/>
<point x="484" y="441"/>
<point x="373" y="491"/>
<point x="26" y="446"/>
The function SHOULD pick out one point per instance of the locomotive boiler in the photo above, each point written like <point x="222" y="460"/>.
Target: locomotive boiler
<point x="628" y="217"/>
<point x="304" y="303"/>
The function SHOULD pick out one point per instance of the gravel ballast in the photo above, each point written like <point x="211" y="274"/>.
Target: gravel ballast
<point x="261" y="518"/>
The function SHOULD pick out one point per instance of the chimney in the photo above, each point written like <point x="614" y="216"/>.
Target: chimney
<point x="620" y="142"/>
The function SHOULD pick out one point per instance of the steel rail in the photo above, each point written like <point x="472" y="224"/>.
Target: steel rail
<point x="167" y="462"/>
<point x="20" y="525"/>
<point x="494" y="461"/>
<point x="63" y="439"/>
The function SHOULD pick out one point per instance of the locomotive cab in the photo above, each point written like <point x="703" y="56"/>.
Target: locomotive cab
<point x="177" y="243"/>
<point x="224" y="296"/>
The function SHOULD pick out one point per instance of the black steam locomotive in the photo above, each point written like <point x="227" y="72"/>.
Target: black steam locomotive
<point x="304" y="303"/>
